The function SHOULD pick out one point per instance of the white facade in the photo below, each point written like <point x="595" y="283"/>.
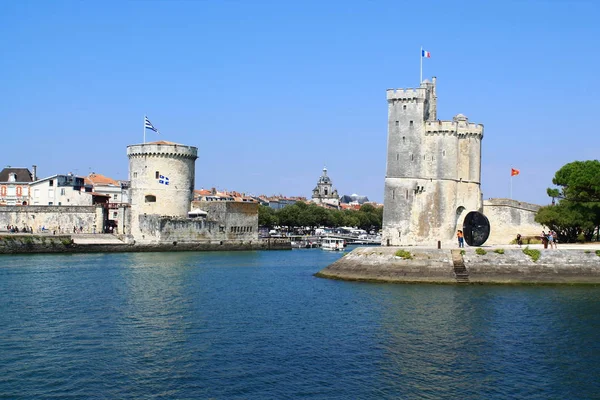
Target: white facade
<point x="57" y="190"/>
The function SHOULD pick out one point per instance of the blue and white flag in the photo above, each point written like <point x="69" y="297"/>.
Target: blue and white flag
<point x="148" y="125"/>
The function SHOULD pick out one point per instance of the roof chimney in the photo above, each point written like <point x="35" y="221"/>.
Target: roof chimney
<point x="34" y="173"/>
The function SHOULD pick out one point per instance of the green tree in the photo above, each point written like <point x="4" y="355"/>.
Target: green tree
<point x="267" y="217"/>
<point x="578" y="193"/>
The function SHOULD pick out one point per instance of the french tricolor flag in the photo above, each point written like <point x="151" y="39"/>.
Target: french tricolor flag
<point x="425" y="54"/>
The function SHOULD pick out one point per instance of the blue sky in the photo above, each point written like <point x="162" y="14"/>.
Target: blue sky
<point x="272" y="91"/>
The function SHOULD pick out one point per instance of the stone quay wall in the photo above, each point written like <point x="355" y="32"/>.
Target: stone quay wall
<point x="47" y="243"/>
<point x="568" y="266"/>
<point x="52" y="217"/>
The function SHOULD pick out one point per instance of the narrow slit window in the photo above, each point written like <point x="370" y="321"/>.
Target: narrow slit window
<point x="411" y="124"/>
<point x="404" y="107"/>
<point x="157" y="174"/>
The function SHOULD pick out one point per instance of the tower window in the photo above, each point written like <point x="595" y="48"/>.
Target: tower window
<point x="443" y="153"/>
<point x="412" y="157"/>
<point x="150" y="198"/>
<point x="411" y="124"/>
<point x="397" y="124"/>
<point x="407" y="194"/>
<point x="135" y="174"/>
<point x="397" y="156"/>
<point x="157" y="174"/>
<point x="403" y="139"/>
<point x="393" y="194"/>
<point x="404" y="107"/>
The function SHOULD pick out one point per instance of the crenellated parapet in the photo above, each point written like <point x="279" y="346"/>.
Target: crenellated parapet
<point x="170" y="150"/>
<point x="406" y="94"/>
<point x="459" y="126"/>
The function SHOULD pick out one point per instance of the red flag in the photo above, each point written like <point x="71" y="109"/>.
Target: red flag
<point x="514" y="172"/>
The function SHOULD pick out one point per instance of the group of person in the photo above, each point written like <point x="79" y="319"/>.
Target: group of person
<point x="15" y="229"/>
<point x="550" y="238"/>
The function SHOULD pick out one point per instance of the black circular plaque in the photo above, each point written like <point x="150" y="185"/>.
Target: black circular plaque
<point x="476" y="228"/>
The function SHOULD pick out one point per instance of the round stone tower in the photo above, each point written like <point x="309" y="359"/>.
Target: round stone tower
<point x="162" y="180"/>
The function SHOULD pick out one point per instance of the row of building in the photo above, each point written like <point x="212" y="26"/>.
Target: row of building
<point x="21" y="186"/>
<point x="156" y="204"/>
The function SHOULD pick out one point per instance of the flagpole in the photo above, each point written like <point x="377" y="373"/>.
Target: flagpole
<point x="511" y="186"/>
<point x="421" y="57"/>
<point x="144" y="129"/>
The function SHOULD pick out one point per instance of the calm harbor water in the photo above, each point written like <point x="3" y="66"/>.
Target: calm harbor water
<point x="258" y="325"/>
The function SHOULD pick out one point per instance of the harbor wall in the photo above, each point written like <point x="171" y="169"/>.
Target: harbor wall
<point x="570" y="266"/>
<point x="47" y="243"/>
<point x="52" y="217"/>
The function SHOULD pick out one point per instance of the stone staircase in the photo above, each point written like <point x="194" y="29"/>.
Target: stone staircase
<point x="460" y="271"/>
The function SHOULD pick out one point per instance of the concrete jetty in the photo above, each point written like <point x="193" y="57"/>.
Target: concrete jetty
<point x="569" y="264"/>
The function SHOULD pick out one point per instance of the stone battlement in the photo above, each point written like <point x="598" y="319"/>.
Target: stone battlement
<point x="164" y="150"/>
<point x="406" y="94"/>
<point x="454" y="127"/>
<point x="511" y="203"/>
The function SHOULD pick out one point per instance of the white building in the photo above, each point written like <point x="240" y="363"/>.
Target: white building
<point x="59" y="190"/>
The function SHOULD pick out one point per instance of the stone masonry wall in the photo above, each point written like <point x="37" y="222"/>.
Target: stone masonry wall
<point x="51" y="217"/>
<point x="509" y="217"/>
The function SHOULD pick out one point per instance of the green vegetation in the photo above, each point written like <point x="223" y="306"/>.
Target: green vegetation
<point x="310" y="215"/>
<point x="533" y="253"/>
<point x="598" y="253"/>
<point x="499" y="251"/>
<point x="587" y="252"/>
<point x="462" y="252"/>
<point x="577" y="215"/>
<point x="480" y="251"/>
<point x="404" y="254"/>
<point x="66" y="242"/>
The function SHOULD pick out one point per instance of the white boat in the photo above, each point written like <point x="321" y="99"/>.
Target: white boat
<point x="333" y="244"/>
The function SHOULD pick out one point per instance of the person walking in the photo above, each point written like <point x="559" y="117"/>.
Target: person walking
<point x="461" y="238"/>
<point x="519" y="240"/>
<point x="550" y="240"/>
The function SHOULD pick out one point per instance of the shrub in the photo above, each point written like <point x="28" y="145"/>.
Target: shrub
<point x="480" y="251"/>
<point x="404" y="254"/>
<point x="462" y="252"/>
<point x="533" y="253"/>
<point x="66" y="242"/>
<point x="598" y="253"/>
<point x="587" y="252"/>
<point x="499" y="251"/>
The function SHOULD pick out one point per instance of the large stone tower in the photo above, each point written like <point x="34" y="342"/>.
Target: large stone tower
<point x="162" y="180"/>
<point x="433" y="170"/>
